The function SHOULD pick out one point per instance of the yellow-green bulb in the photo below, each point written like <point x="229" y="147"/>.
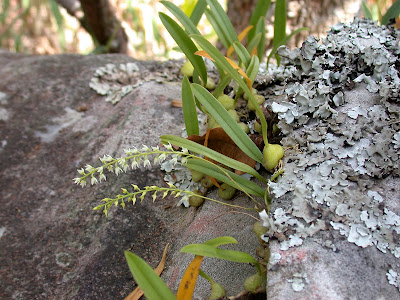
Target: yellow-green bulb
<point x="187" y="69"/>
<point x="227" y="102"/>
<point x="272" y="154"/>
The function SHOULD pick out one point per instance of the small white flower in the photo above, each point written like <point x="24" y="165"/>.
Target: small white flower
<point x="168" y="147"/>
<point x="145" y="149"/>
<point x="102" y="177"/>
<point x="88" y="168"/>
<point x="174" y="161"/>
<point x="162" y="157"/>
<point x="155" y="149"/>
<point x="146" y="163"/>
<point x="93" y="180"/>
<point x="117" y="170"/>
<point x="134" y="164"/>
<point x="100" y="170"/>
<point x="185" y="151"/>
<point x="81" y="171"/>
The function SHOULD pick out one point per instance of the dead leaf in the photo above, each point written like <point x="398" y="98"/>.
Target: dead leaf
<point x="219" y="141"/>
<point x="137" y="293"/>
<point x="176" y="103"/>
<point x="189" y="279"/>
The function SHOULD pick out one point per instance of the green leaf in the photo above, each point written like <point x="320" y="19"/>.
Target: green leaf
<point x="392" y="12"/>
<point x="221" y="23"/>
<point x="226" y="176"/>
<point x="260" y="11"/>
<point x="214" y="155"/>
<point x="182" y="17"/>
<point x="221" y="115"/>
<point x="260" y="29"/>
<point x="254" y="42"/>
<point x="220" y="60"/>
<point x="186" y="44"/>
<point x="366" y="11"/>
<point x="210" y="251"/>
<point x="189" y="108"/>
<point x="150" y="283"/>
<point x="279" y="23"/>
<point x="242" y="53"/>
<point x="222" y="240"/>
<point x="198" y="11"/>
<point x="253" y="68"/>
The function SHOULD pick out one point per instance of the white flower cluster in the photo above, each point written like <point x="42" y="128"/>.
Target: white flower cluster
<point x="134" y="159"/>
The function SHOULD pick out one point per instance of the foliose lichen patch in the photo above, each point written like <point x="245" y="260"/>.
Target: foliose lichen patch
<point x="117" y="80"/>
<point x="338" y="105"/>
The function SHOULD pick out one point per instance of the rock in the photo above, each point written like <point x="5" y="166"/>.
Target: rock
<point x="52" y="122"/>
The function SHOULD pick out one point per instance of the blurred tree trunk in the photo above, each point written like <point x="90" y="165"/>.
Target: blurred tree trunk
<point x="239" y="12"/>
<point x="104" y="25"/>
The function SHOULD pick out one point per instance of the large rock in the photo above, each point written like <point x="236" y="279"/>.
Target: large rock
<point x="53" y="245"/>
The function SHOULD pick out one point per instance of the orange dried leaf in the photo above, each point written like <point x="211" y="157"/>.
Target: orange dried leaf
<point x="240" y="38"/>
<point x="137" y="293"/>
<point x="176" y="103"/>
<point x="188" y="282"/>
<point x="231" y="62"/>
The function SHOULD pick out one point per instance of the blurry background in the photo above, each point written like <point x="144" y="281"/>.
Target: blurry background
<point x="133" y="26"/>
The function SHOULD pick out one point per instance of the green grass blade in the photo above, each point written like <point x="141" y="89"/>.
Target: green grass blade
<point x="254" y="42"/>
<point x="210" y="251"/>
<point x="182" y="17"/>
<point x="220" y="60"/>
<point x="189" y="108"/>
<point x="223" y="25"/>
<point x="150" y="283"/>
<point x="260" y="29"/>
<point x="226" y="176"/>
<point x="186" y="44"/>
<point x="242" y="53"/>
<point x="279" y="23"/>
<point x="214" y="155"/>
<point x="253" y="68"/>
<point x="260" y="11"/>
<point x="60" y="22"/>
<point x="222" y="240"/>
<point x="198" y="11"/>
<point x="221" y="115"/>
<point x="366" y="11"/>
<point x="392" y="12"/>
<point x="223" y="82"/>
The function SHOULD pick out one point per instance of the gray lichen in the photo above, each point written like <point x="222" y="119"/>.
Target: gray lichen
<point x="116" y="81"/>
<point x="340" y="107"/>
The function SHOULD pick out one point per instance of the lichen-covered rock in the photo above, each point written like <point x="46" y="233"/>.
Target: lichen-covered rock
<point x="339" y="113"/>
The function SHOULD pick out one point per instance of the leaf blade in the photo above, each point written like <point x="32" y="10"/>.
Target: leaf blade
<point x="182" y="17"/>
<point x="186" y="44"/>
<point x="152" y="285"/>
<point x="220" y="114"/>
<point x="189" y="108"/>
<point x="188" y="282"/>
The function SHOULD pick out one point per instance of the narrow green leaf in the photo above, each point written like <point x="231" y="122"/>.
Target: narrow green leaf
<point x="222" y="240"/>
<point x="279" y="23"/>
<point x="189" y="108"/>
<point x="198" y="11"/>
<point x="221" y="115"/>
<point x="186" y="44"/>
<point x="182" y="17"/>
<point x="150" y="283"/>
<point x="260" y="28"/>
<point x="242" y="53"/>
<point x="284" y="41"/>
<point x="214" y="155"/>
<point x="223" y="82"/>
<point x="253" y="68"/>
<point x="366" y="11"/>
<point x="226" y="176"/>
<point x="260" y="11"/>
<point x="254" y="42"/>
<point x="223" y="25"/>
<point x="392" y="13"/>
<point x="210" y="251"/>
<point x="220" y="59"/>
